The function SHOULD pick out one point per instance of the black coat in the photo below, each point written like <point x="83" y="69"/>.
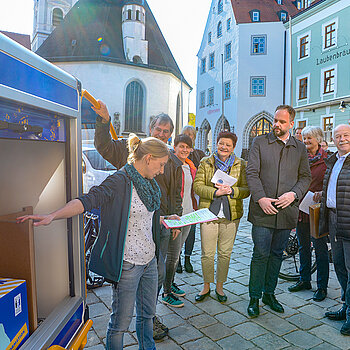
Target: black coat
<point x="116" y="152"/>
<point x="273" y="169"/>
<point x="343" y="199"/>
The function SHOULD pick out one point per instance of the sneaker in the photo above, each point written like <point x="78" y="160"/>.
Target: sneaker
<point x="177" y="291"/>
<point x="161" y="325"/>
<point x="158" y="332"/>
<point x="172" y="300"/>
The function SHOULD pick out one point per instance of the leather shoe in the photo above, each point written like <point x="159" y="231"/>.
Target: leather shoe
<point x="345" y="329"/>
<point x="201" y="297"/>
<point x="339" y="315"/>
<point x="221" y="298"/>
<point x="299" y="286"/>
<point x="320" y="294"/>
<point x="270" y="300"/>
<point x="253" y="307"/>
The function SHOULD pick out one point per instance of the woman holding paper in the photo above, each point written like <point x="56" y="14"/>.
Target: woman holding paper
<point x="225" y="199"/>
<point x="312" y="138"/>
<point x="125" y="250"/>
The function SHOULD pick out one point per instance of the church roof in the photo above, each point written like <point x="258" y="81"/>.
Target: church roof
<point x="23" y="39"/>
<point x="269" y="9"/>
<point x="92" y="31"/>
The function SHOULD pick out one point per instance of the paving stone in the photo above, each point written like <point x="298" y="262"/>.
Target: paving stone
<point x="249" y="330"/>
<point x="100" y="324"/>
<point x="202" y="320"/>
<point x="235" y="342"/>
<point x="98" y="309"/>
<point x="275" y="324"/>
<point x="270" y="341"/>
<point x="129" y="339"/>
<point x="302" y="339"/>
<point x="291" y="300"/>
<point x="201" y="344"/>
<point x="288" y="311"/>
<point x="167" y="344"/>
<point x="236" y="288"/>
<point x="107" y="300"/>
<point x="327" y="303"/>
<point x="335" y="324"/>
<point x="91" y="298"/>
<point x="217" y="331"/>
<point x="172" y="320"/>
<point x="189" y="310"/>
<point x="331" y="335"/>
<point x="243" y="280"/>
<point x="212" y="306"/>
<point x="192" y="280"/>
<point x="303" y="321"/>
<point x="313" y="311"/>
<point x="104" y="290"/>
<point x="97" y="347"/>
<point x="231" y="318"/>
<point x="183" y="334"/>
<point x="92" y="338"/>
<point x="162" y="310"/>
<point x="325" y="346"/>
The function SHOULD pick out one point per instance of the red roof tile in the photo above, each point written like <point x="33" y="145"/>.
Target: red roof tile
<point x="269" y="9"/>
<point x="23" y="39"/>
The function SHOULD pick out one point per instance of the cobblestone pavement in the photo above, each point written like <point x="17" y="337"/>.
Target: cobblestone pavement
<point x="211" y="325"/>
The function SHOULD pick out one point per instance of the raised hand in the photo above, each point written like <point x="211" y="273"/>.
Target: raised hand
<point x="102" y="112"/>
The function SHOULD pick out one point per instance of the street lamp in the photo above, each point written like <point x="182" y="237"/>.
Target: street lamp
<point x="342" y="106"/>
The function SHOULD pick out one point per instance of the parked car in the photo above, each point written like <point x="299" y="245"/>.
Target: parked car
<point x="95" y="168"/>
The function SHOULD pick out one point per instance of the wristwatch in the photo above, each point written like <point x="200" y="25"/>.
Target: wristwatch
<point x="295" y="196"/>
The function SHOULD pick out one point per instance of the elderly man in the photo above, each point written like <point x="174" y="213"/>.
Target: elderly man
<point x="278" y="175"/>
<point x="116" y="152"/>
<point x="335" y="218"/>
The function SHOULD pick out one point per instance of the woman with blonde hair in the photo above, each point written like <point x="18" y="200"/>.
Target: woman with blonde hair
<point x="125" y="250"/>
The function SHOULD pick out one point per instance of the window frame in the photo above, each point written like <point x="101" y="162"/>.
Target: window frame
<point x="220" y="6"/>
<point x="202" y="99"/>
<point x="325" y="34"/>
<point x="303" y="88"/>
<point x="327" y="133"/>
<point x="329" y="76"/>
<point x="227" y="84"/>
<point x="255" y="12"/>
<point x="226" y="58"/>
<point x="209" y="37"/>
<point x="55" y="17"/>
<point x="203" y="68"/>
<point x="228" y="24"/>
<point x="212" y="54"/>
<point x="219" y="30"/>
<point x="305" y="45"/>
<point x="252" y="44"/>
<point x="323" y="82"/>
<point x="251" y="86"/>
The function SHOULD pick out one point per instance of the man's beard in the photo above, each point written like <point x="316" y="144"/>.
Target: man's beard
<point x="278" y="132"/>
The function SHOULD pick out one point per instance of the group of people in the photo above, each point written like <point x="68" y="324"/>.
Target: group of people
<point x="139" y="255"/>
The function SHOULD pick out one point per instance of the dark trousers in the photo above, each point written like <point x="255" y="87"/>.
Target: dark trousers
<point x="321" y="251"/>
<point x="265" y="266"/>
<point x="341" y="258"/>
<point x="190" y="241"/>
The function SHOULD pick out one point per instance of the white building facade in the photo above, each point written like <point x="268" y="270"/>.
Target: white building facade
<point x="242" y="93"/>
<point x="123" y="61"/>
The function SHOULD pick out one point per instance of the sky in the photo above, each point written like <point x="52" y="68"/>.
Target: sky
<point x="182" y="23"/>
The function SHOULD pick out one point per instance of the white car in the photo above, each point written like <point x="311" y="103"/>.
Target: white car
<point x="95" y="168"/>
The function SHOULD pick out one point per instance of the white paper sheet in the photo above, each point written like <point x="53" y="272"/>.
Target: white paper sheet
<point x="196" y="217"/>
<point x="223" y="178"/>
<point x="304" y="206"/>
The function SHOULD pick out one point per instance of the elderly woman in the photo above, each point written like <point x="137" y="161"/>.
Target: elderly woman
<point x="312" y="138"/>
<point x="225" y="202"/>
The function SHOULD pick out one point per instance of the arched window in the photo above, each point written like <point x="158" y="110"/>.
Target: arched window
<point x="261" y="127"/>
<point x="220" y="6"/>
<point x="134" y="105"/>
<point x="129" y="15"/>
<point x="219" y="29"/>
<point x="137" y="15"/>
<point x="57" y="16"/>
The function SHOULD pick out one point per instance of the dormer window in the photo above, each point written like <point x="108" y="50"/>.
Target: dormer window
<point x="220" y="6"/>
<point x="255" y="15"/>
<point x="283" y="16"/>
<point x="219" y="34"/>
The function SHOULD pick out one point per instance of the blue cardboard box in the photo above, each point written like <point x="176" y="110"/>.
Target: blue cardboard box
<point x="13" y="313"/>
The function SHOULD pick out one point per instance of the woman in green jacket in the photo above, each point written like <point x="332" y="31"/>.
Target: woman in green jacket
<point x="227" y="204"/>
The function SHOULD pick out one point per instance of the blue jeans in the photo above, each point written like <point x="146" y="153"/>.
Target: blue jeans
<point x="266" y="261"/>
<point x="163" y="250"/>
<point x="321" y="251"/>
<point x="137" y="283"/>
<point x="341" y="258"/>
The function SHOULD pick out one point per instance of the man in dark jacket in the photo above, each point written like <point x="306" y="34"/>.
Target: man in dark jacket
<point x="116" y="152"/>
<point x="278" y="175"/>
<point x="335" y="218"/>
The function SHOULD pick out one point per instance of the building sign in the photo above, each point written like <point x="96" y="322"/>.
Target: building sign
<point x="332" y="57"/>
<point x="213" y="111"/>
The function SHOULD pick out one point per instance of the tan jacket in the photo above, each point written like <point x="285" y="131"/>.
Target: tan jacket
<point x="205" y="189"/>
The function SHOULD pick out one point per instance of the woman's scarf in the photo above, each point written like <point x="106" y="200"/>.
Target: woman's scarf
<point x="316" y="157"/>
<point x="148" y="190"/>
<point x="226" y="165"/>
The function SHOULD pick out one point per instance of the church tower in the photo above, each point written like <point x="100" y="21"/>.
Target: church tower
<point x="47" y="15"/>
<point x="134" y="31"/>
